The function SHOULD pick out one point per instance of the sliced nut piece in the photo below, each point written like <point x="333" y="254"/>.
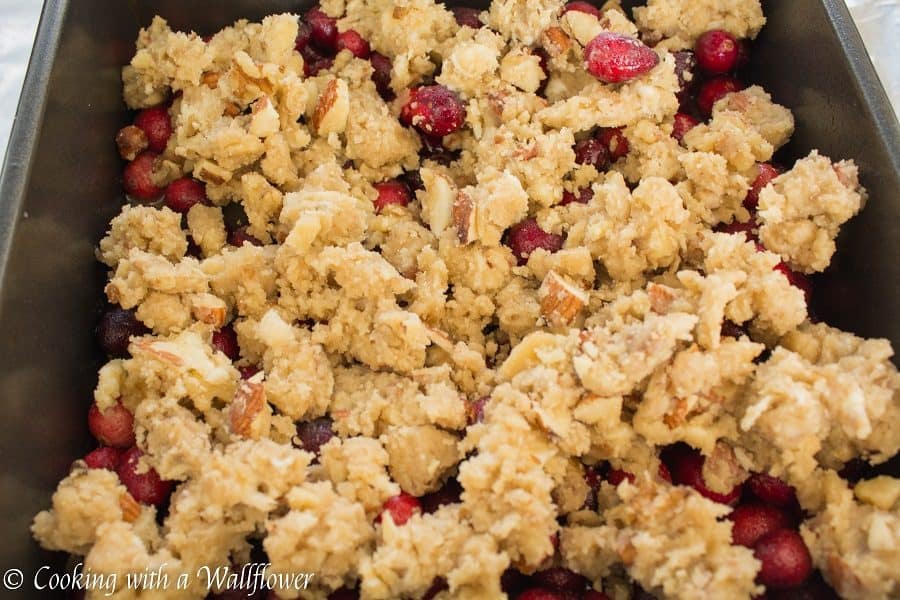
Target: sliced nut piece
<point x="209" y="309"/>
<point x="561" y="300"/>
<point x="131" y="509"/>
<point x="232" y="110"/>
<point x="722" y="471"/>
<point x="131" y="141"/>
<point x="264" y="119"/>
<point x="525" y="354"/>
<point x="209" y="172"/>
<point x="881" y="492"/>
<point x="247" y="414"/>
<point x="210" y="79"/>
<point x="661" y="297"/>
<point x="155" y="348"/>
<point x="332" y="109"/>
<point x="556" y="42"/>
<point x="437" y="200"/>
<point x="464" y="217"/>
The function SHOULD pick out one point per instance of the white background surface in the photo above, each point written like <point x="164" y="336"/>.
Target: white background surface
<point x="878" y="21"/>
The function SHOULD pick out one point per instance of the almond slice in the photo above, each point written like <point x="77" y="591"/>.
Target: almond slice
<point x="561" y="300"/>
<point x="464" y="217"/>
<point x="332" y="109"/>
<point x="209" y="309"/>
<point x="248" y="404"/>
<point x="131" y="510"/>
<point x="556" y="42"/>
<point x="525" y="354"/>
<point x="661" y="297"/>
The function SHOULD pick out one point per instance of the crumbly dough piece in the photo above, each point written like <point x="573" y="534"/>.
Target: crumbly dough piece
<point x="207" y="228"/>
<point x="686" y="20"/>
<point x="522" y="20"/>
<point x="421" y="456"/>
<point x="153" y="230"/>
<point x="357" y="467"/>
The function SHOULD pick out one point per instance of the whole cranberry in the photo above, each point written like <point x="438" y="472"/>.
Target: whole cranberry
<point x="315" y="434"/>
<point x="539" y="594"/>
<point x="467" y="17"/>
<point x="664" y="473"/>
<point x="772" y="490"/>
<point x="239" y="236"/>
<point x="225" y="341"/>
<point x="685" y="65"/>
<point x="512" y="582"/>
<point x="136" y="177"/>
<point x="592" y="152"/>
<point x="753" y="521"/>
<point x="785" y="559"/>
<point x="743" y="57"/>
<point x="617" y="476"/>
<point x="798" y="280"/>
<point x="614" y="140"/>
<point x="765" y="174"/>
<point x="616" y="58"/>
<point x="381" y="74"/>
<point x="683" y="123"/>
<point x="184" y="193"/>
<point x="104" y="457"/>
<point x="314" y="61"/>
<point x="717" y="52"/>
<point x="449" y="493"/>
<point x="584" y="196"/>
<point x="401" y="508"/>
<point x="116" y="327"/>
<point x="147" y="487"/>
<point x="390" y="192"/>
<point x="585" y="7"/>
<point x="748" y="229"/>
<point x="561" y="579"/>
<point x="352" y="41"/>
<point x="304" y="33"/>
<point x="113" y="426"/>
<point x="527" y="236"/>
<point x="686" y="466"/>
<point x="323" y="30"/>
<point x="714" y="90"/>
<point x="157" y="125"/>
<point x="434" y="110"/>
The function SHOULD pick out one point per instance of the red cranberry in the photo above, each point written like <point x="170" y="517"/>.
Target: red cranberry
<point x="714" y="90"/>
<point x="467" y="17"/>
<point x="584" y="196"/>
<point x="772" y="490"/>
<point x="352" y="41"/>
<point x="686" y="466"/>
<point x="184" y="193"/>
<point x="616" y="58"/>
<point x="617" y="476"/>
<point x="225" y="341"/>
<point x="449" y="493"/>
<point x="743" y="57"/>
<point x="664" y="473"/>
<point x="539" y="594"/>
<point x="313" y="61"/>
<point x="315" y="434"/>
<point x="401" y="507"/>
<point x="381" y="74"/>
<point x="239" y="236"/>
<point x="717" y="52"/>
<point x="304" y="33"/>
<point x="146" y="488"/>
<point x="512" y="582"/>
<point x="323" y="30"/>
<point x="560" y="579"/>
<point x="592" y="152"/>
<point x="798" y="280"/>
<point x="753" y="521"/>
<point x="685" y="64"/>
<point x="766" y="173"/>
<point x="157" y="125"/>
<point x="475" y="410"/>
<point x="434" y="110"/>
<point x="785" y="559"/>
<point x="136" y="177"/>
<point x="116" y="327"/>
<point x="683" y="123"/>
<point x="104" y="458"/>
<point x="390" y="192"/>
<point x="585" y="7"/>
<point x="527" y="236"/>
<point x="614" y="140"/>
<point x="344" y="594"/>
<point x="112" y="427"/>
<point x="748" y="229"/>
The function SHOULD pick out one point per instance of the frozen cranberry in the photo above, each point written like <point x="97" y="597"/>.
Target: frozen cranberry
<point x="184" y="193"/>
<point x="714" y="90"/>
<point x="136" y="177"/>
<point x="155" y="122"/>
<point x="592" y="152"/>
<point x="449" y="493"/>
<point x="561" y="579"/>
<point x="685" y="65"/>
<point x="390" y="192"/>
<point x="401" y="508"/>
<point x="225" y="341"/>
<point x="434" y="110"/>
<point x="239" y="236"/>
<point x="785" y="559"/>
<point x="617" y="476"/>
<point x="753" y="521"/>
<point x="614" y="140"/>
<point x="683" y="123"/>
<point x="344" y="594"/>
<point x="584" y="196"/>
<point x="352" y="41"/>
<point x="104" y="458"/>
<point x="315" y="434"/>
<point x="304" y="33"/>
<point x="771" y="489"/>
<point x="664" y="473"/>
<point x="116" y="327"/>
<point x="475" y="410"/>
<point x="381" y="74"/>
<point x="539" y="594"/>
<point x="686" y="466"/>
<point x="743" y="57"/>
<point x="616" y="58"/>
<point x="146" y="487"/>
<point x="717" y="51"/>
<point x="323" y="30"/>
<point x="249" y="371"/>
<point x="113" y="426"/>
<point x="798" y="280"/>
<point x="512" y="582"/>
<point x="765" y="174"/>
<point x="467" y="17"/>
<point x="748" y="229"/>
<point x="439" y="585"/>
<point x="527" y="236"/>
<point x="585" y="7"/>
<point x="313" y="61"/>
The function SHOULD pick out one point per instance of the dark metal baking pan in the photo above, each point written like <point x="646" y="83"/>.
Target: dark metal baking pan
<point x="60" y="186"/>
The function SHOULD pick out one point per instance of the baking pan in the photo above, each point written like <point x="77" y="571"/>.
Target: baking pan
<point x="60" y="186"/>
